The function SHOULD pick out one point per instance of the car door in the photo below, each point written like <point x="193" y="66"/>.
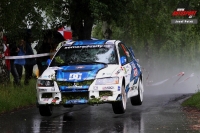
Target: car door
<point x="124" y="52"/>
<point x="135" y="66"/>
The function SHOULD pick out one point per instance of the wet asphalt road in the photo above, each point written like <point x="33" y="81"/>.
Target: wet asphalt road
<point x="158" y="114"/>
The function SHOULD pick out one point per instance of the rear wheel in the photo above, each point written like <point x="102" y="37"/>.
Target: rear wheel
<point x="45" y="110"/>
<point x="119" y="107"/>
<point x="137" y="100"/>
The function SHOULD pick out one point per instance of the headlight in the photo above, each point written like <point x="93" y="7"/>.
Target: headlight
<point x="106" y="81"/>
<point x="45" y="83"/>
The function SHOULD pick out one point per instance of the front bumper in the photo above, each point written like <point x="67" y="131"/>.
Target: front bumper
<point x="93" y="94"/>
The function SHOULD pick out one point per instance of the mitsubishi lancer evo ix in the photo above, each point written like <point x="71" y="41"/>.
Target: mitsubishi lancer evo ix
<point x="90" y="72"/>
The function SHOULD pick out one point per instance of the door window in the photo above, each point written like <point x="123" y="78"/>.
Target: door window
<point x="123" y="51"/>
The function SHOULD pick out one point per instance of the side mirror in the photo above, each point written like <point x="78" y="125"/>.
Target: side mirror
<point x="48" y="61"/>
<point x="123" y="60"/>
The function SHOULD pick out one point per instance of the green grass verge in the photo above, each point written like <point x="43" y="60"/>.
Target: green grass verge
<point x="193" y="101"/>
<point x="14" y="98"/>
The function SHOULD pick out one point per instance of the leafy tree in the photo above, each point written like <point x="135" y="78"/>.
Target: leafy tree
<point x="144" y="24"/>
<point x="149" y="31"/>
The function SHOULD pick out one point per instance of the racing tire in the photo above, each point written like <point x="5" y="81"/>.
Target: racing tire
<point x="137" y="100"/>
<point x="119" y="107"/>
<point x="45" y="110"/>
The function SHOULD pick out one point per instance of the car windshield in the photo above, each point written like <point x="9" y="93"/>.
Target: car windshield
<point x="86" y="54"/>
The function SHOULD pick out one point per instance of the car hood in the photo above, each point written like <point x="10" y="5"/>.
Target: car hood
<point x="77" y="73"/>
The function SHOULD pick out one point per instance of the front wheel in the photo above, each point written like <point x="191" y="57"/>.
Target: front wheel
<point x="137" y="100"/>
<point x="119" y="107"/>
<point x="45" y="110"/>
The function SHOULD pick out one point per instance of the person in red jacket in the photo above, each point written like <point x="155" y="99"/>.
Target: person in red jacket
<point x="6" y="53"/>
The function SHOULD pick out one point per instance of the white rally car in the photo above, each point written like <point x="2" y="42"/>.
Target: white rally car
<point x="90" y="72"/>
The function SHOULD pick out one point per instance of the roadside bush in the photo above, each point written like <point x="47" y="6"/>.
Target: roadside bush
<point x="193" y="101"/>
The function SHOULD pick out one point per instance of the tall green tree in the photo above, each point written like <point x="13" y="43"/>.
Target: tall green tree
<point x="143" y="24"/>
<point x="148" y="29"/>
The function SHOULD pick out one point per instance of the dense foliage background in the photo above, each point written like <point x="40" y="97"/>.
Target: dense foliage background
<point x="145" y="25"/>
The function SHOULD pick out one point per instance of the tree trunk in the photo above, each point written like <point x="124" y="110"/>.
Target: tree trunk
<point x="107" y="32"/>
<point x="81" y="20"/>
<point x="82" y="30"/>
<point x="88" y="24"/>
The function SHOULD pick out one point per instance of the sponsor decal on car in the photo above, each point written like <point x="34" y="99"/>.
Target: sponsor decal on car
<point x="75" y="76"/>
<point x="119" y="88"/>
<point x="88" y="46"/>
<point x="80" y="67"/>
<point x="133" y="65"/>
<point x="135" y="72"/>
<point x="74" y="86"/>
<point x="108" y="87"/>
<point x="118" y="71"/>
<point x="125" y="70"/>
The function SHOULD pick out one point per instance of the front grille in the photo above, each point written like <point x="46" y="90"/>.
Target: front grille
<point x="81" y="83"/>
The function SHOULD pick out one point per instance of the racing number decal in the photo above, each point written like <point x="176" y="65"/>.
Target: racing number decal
<point x="75" y="76"/>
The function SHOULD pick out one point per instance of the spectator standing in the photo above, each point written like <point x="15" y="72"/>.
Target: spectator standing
<point x="6" y="53"/>
<point x="30" y="62"/>
<point x="50" y="42"/>
<point x="19" y="63"/>
<point x="57" y="38"/>
<point x="13" y="52"/>
<point x="44" y="48"/>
